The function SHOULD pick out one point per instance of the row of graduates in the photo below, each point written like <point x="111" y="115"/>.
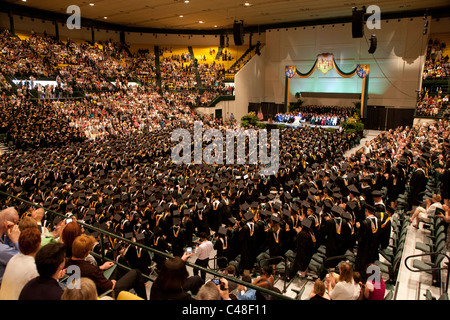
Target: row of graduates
<point x="274" y="227"/>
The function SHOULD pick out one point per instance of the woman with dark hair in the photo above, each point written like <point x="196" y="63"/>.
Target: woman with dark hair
<point x="68" y="235"/>
<point x="173" y="281"/>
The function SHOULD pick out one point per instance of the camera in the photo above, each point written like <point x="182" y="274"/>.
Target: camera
<point x="189" y="250"/>
<point x="217" y="281"/>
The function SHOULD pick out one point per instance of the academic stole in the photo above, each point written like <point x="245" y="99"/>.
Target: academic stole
<point x="313" y="237"/>
<point x="373" y="223"/>
<point x="381" y="218"/>
<point x="251" y="226"/>
<point x="158" y="217"/>
<point x="175" y="233"/>
<point x="276" y="235"/>
<point x="139" y="252"/>
<point x="224" y="242"/>
<point x="338" y="222"/>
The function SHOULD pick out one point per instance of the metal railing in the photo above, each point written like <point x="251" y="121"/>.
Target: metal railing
<point x="149" y="249"/>
<point x="431" y="269"/>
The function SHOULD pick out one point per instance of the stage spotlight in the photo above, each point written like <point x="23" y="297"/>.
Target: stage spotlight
<point x="373" y="44"/>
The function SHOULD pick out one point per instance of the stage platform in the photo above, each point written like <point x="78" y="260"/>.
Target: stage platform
<point x="297" y="125"/>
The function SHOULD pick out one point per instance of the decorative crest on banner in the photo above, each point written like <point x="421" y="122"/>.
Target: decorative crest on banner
<point x="290" y="71"/>
<point x="325" y="62"/>
<point x="362" y="70"/>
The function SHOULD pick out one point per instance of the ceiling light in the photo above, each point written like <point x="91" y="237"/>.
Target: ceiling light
<point x="91" y="4"/>
<point x="215" y="26"/>
<point x="247" y="4"/>
<point x="186" y="1"/>
<point x="105" y="18"/>
<point x="200" y="21"/>
<point x="181" y="16"/>
<point x="24" y="0"/>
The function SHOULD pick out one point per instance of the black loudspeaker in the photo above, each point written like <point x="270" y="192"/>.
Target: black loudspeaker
<point x="238" y="32"/>
<point x="373" y="44"/>
<point x="222" y="40"/>
<point x="358" y="23"/>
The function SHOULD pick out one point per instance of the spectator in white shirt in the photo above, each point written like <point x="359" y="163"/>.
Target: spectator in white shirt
<point x="21" y="268"/>
<point x="345" y="288"/>
<point x="421" y="212"/>
<point x="203" y="250"/>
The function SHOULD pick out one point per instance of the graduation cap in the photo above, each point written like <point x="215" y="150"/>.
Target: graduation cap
<point x="248" y="216"/>
<point x="232" y="220"/>
<point x="337" y="211"/>
<point x="275" y="218"/>
<point x="128" y="235"/>
<point x="346" y="215"/>
<point x="222" y="231"/>
<point x="288" y="196"/>
<point x="376" y="193"/>
<point x="176" y="221"/>
<point x="265" y="213"/>
<point x="306" y="223"/>
<point x="352" y="205"/>
<point x="159" y="209"/>
<point x="286" y="213"/>
<point x="305" y="204"/>
<point x="276" y="206"/>
<point x="245" y="206"/>
<point x="353" y="189"/>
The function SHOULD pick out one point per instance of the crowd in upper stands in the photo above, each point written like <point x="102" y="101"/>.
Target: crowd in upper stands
<point x="437" y="67"/>
<point x="432" y="106"/>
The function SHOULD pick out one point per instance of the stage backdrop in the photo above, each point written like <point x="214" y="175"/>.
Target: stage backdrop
<point x="395" y="67"/>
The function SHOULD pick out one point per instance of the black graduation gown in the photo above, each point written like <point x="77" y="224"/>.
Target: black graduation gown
<point x="189" y="230"/>
<point x="200" y="220"/>
<point x="223" y="248"/>
<point x="276" y="244"/>
<point x="385" y="229"/>
<point x="417" y="184"/>
<point x="248" y="244"/>
<point x="305" y="250"/>
<point x="338" y="239"/>
<point x="177" y="238"/>
<point x="160" y="244"/>
<point x="143" y="260"/>
<point x="367" y="245"/>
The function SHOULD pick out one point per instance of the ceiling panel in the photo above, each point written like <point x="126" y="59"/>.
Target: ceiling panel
<point x="220" y="13"/>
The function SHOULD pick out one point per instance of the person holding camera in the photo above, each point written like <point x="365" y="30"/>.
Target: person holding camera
<point x="203" y="251"/>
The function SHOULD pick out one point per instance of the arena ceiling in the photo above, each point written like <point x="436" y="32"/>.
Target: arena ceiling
<point x="219" y="14"/>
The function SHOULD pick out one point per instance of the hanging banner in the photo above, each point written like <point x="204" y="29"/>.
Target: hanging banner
<point x="290" y="71"/>
<point x="362" y="70"/>
<point x="325" y="62"/>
